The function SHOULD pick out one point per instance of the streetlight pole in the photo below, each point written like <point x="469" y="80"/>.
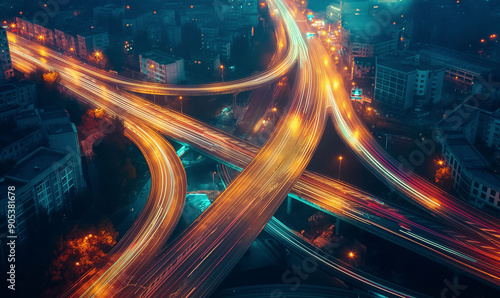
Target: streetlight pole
<point x="222" y="72"/>
<point x="180" y="98"/>
<point x="340" y="164"/>
<point x="274" y="112"/>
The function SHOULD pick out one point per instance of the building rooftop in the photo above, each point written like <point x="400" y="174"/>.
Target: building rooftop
<point x="89" y="32"/>
<point x="53" y="113"/>
<point x="405" y="63"/>
<point x="60" y="128"/>
<point x="160" y="57"/>
<point x="483" y="103"/>
<point x="456" y="57"/>
<point x="28" y="113"/>
<point x="365" y="60"/>
<point x="15" y="85"/>
<point x="6" y="182"/>
<point x="34" y="164"/>
<point x="9" y="137"/>
<point x="470" y="158"/>
<point x="7" y="87"/>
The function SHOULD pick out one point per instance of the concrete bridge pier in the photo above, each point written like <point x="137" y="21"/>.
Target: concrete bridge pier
<point x="235" y="95"/>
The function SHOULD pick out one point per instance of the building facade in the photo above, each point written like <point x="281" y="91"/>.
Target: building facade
<point x="405" y="82"/>
<point x="66" y="40"/>
<point x="473" y="177"/>
<point x="91" y="42"/>
<point x="21" y="93"/>
<point x="161" y="67"/>
<point x="43" y="180"/>
<point x="460" y="67"/>
<point x="5" y="59"/>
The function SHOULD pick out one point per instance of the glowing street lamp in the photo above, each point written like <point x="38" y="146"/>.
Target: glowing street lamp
<point x="340" y="164"/>
<point x="351" y="255"/>
<point x="180" y="98"/>
<point x="222" y="72"/>
<point x="274" y="112"/>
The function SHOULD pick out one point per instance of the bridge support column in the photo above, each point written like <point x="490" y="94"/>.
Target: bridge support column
<point x="337" y="227"/>
<point x="235" y="95"/>
<point x="289" y="205"/>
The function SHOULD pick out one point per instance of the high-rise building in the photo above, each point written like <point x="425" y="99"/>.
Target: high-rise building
<point x="5" y="59"/>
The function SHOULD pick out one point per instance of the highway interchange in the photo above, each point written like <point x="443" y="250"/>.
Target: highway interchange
<point x="466" y="240"/>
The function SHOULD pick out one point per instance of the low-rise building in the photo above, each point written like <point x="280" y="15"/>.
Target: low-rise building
<point x="403" y="82"/>
<point x="21" y="93"/>
<point x="43" y="180"/>
<point x="25" y="28"/>
<point x="474" y="179"/>
<point x="363" y="67"/>
<point x="161" y="67"/>
<point x="460" y="67"/>
<point x="16" y="144"/>
<point x="360" y="46"/>
<point x="92" y="41"/>
<point x="43" y="34"/>
<point x="66" y="40"/>
<point x="48" y="169"/>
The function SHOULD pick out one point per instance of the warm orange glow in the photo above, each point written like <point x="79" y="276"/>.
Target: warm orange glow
<point x="222" y="67"/>
<point x="351" y="255"/>
<point x="340" y="157"/>
<point x="128" y="6"/>
<point x="275" y="109"/>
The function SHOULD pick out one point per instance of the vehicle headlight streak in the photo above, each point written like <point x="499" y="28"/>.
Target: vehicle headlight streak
<point x="353" y="139"/>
